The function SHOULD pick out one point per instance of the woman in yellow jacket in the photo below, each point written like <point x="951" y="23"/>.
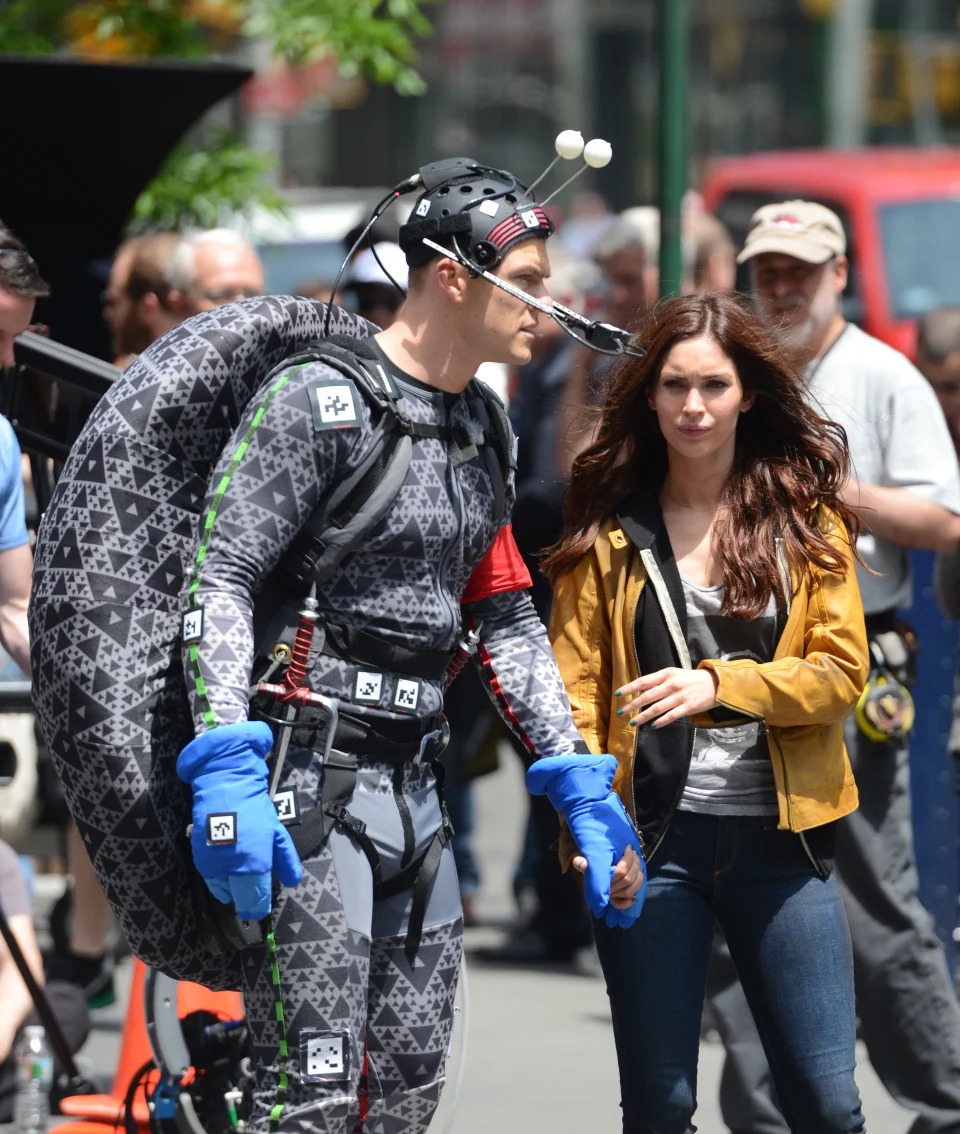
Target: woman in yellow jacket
<point x="708" y="626"/>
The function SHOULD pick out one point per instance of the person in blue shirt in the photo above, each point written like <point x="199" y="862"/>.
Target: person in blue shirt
<point x="20" y="287"/>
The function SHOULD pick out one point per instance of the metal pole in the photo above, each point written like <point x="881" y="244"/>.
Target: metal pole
<point x="673" y="141"/>
<point x="847" y="78"/>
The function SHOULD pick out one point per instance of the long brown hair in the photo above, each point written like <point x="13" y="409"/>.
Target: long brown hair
<point x="789" y="462"/>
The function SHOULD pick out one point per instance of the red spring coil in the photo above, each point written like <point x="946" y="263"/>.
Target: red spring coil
<point x="459" y="660"/>
<point x="297" y="670"/>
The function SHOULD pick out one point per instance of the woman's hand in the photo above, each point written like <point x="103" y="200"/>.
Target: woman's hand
<point x="627" y="877"/>
<point x="668" y="695"/>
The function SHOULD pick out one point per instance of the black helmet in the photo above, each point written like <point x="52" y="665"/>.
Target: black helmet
<point x="483" y="211"/>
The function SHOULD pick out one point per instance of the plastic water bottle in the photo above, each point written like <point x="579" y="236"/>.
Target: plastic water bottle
<point x="34" y="1061"/>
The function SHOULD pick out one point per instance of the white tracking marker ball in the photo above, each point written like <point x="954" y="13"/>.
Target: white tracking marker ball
<point x="569" y="143"/>
<point x="597" y="153"/>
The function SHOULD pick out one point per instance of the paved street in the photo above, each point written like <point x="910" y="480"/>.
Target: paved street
<point x="534" y="1052"/>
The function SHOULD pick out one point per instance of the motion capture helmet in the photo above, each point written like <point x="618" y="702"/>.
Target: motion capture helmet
<point x="476" y="213"/>
<point x="482" y="211"/>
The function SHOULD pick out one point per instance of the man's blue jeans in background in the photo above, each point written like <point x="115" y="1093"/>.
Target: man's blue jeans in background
<point x="788" y="937"/>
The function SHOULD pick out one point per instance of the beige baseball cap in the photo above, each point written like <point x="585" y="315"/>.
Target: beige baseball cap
<point x="802" y="229"/>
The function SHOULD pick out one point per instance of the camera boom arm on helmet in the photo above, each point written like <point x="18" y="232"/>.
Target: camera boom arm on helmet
<point x="604" y="338"/>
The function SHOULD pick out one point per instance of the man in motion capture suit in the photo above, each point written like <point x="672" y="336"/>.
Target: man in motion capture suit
<point x="360" y="580"/>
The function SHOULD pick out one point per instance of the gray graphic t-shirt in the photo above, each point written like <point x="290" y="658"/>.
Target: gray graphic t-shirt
<point x="730" y="772"/>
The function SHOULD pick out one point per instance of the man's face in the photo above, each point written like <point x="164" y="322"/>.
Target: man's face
<point x="944" y="376"/>
<point x="629" y="280"/>
<point x="16" y="312"/>
<point x="118" y="307"/>
<point x="505" y="327"/>
<point x="224" y="274"/>
<point x="796" y="299"/>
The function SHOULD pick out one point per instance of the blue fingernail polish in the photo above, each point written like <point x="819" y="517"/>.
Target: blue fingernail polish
<point x="619" y="712"/>
<point x="617" y="692"/>
<point x="633" y="724"/>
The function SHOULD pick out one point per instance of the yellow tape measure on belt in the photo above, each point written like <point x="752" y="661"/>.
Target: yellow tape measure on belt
<point x="885" y="708"/>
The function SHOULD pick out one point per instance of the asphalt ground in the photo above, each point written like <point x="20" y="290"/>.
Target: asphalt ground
<point x="533" y="1049"/>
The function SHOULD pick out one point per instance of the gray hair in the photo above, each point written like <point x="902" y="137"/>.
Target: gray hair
<point x="639" y="227"/>
<point x="181" y="270"/>
<point x="571" y="277"/>
<point x="938" y="333"/>
<point x="634" y="228"/>
<point x="18" y="269"/>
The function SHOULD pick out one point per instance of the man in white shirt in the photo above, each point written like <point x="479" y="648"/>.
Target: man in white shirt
<point x="905" y="487"/>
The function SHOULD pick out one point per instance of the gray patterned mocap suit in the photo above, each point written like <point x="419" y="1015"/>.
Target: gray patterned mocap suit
<point x="192" y="450"/>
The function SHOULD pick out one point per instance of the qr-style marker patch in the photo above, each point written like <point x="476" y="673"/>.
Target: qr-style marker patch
<point x="368" y="687"/>
<point x="193" y="624"/>
<point x="406" y="696"/>
<point x="287" y="803"/>
<point x="335" y="405"/>
<point x="222" y="829"/>
<point x="324" y="1056"/>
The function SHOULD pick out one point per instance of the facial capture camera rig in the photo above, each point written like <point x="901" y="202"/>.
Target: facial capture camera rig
<point x="475" y="213"/>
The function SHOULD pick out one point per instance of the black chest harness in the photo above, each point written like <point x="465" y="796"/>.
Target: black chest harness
<point x="337" y="528"/>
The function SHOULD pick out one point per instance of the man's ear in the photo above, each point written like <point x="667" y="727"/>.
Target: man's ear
<point x="452" y="277"/>
<point x="148" y="305"/>
<point x="177" y="303"/>
<point x="841" y="273"/>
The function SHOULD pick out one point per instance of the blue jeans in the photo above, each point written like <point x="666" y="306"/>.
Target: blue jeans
<point x="909" y="1016"/>
<point x="788" y="937"/>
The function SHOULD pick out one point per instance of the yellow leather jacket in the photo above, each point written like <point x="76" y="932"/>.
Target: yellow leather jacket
<point x="620" y="612"/>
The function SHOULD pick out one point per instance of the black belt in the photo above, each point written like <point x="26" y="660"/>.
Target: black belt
<point x="391" y="739"/>
<point x="377" y="738"/>
<point x="880" y="622"/>
<point x="353" y="645"/>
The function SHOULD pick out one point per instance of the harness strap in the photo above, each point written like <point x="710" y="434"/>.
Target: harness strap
<point x="406" y="819"/>
<point x="341" y="525"/>
<point x="429" y="865"/>
<point x="339" y="782"/>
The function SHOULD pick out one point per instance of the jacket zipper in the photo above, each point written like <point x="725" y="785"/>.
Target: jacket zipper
<point x="456" y="504"/>
<point x="784" y="567"/>
<point x="786" y="791"/>
<point x="821" y="873"/>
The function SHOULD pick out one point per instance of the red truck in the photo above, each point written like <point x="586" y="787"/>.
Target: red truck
<point x="901" y="211"/>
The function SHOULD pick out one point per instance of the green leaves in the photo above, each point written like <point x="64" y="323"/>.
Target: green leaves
<point x="28" y="27"/>
<point x="203" y="187"/>
<point x="374" y="38"/>
<point x="207" y="187"/>
<point x="150" y="28"/>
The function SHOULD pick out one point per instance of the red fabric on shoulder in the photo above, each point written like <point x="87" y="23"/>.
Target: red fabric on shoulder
<point x="501" y="569"/>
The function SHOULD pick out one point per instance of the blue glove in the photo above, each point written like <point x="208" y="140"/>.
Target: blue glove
<point x="578" y="785"/>
<point x="237" y="839"/>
